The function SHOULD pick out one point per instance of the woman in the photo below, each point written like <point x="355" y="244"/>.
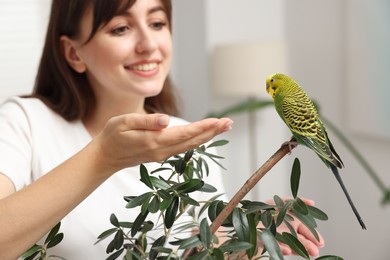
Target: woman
<point x="99" y="108"/>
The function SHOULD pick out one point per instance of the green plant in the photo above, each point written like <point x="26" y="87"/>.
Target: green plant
<point x="40" y="252"/>
<point x="244" y="226"/>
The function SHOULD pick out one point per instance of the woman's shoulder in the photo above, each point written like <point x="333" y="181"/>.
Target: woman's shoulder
<point x="28" y="112"/>
<point x="27" y="105"/>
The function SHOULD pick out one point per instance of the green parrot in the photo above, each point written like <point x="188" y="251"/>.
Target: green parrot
<point x="300" y="115"/>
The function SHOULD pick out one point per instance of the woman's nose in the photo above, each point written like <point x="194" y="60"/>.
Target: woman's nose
<point x="146" y="42"/>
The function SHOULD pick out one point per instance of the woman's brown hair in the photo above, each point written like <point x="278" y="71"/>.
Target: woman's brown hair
<point x="68" y="92"/>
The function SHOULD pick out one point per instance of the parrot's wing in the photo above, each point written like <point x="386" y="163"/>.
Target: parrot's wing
<point x="302" y="118"/>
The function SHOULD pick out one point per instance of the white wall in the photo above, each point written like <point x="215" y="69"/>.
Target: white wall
<point x="22" y="30"/>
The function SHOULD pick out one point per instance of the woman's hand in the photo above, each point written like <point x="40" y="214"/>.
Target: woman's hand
<point x="131" y="139"/>
<point x="311" y="244"/>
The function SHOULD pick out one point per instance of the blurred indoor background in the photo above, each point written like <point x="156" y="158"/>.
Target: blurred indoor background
<point x="337" y="50"/>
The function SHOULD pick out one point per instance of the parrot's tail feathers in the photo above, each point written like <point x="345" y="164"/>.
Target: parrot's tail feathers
<point x="337" y="160"/>
<point x="338" y="177"/>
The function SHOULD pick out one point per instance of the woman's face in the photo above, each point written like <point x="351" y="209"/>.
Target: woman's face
<point x="131" y="55"/>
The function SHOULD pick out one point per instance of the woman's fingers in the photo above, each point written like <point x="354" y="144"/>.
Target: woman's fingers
<point x="305" y="232"/>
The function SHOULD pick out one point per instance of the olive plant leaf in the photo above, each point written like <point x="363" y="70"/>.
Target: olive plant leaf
<point x="235" y="246"/>
<point x="145" y="178"/>
<point x="53" y="232"/>
<point x="218" y="143"/>
<point x="205" y="233"/>
<point x="271" y="244"/>
<point x="190" y="242"/>
<point x="137" y="225"/>
<point x="170" y="213"/>
<point x="33" y="251"/>
<point x="295" y="245"/>
<point x="137" y="201"/>
<point x="114" y="220"/>
<point x="159" y="242"/>
<point x="241" y="225"/>
<point x="295" y="177"/>
<point x="317" y="213"/>
<point x="300" y="206"/>
<point x="329" y="257"/>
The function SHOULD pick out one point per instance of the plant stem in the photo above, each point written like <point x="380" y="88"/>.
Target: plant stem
<point x="248" y="185"/>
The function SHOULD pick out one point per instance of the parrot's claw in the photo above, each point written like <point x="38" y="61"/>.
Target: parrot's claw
<point x="291" y="144"/>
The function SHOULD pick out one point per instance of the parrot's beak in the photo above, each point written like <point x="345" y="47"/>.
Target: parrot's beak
<point x="267" y="87"/>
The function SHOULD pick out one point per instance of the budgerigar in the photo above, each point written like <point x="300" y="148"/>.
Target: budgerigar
<point x="300" y="115"/>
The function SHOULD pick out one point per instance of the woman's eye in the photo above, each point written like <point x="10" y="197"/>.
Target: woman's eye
<point x="120" y="30"/>
<point x="158" y="25"/>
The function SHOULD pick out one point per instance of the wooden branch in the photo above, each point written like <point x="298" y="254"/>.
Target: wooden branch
<point x="248" y="185"/>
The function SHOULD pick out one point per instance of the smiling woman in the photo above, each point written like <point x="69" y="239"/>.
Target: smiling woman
<point x="72" y="149"/>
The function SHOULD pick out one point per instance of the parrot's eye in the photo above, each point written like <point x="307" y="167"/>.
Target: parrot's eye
<point x="272" y="80"/>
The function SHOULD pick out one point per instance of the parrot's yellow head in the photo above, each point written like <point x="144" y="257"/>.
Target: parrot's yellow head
<point x="275" y="84"/>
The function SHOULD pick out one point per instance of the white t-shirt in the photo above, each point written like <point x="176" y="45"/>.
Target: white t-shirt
<point x="34" y="140"/>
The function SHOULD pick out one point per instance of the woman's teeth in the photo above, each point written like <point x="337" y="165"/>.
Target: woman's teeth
<point x="144" y="67"/>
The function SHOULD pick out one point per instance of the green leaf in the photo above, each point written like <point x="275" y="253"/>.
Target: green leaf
<point x="290" y="228"/>
<point x="137" y="201"/>
<point x="188" y="155"/>
<point x="214" y="209"/>
<point x="165" y="195"/>
<point x="189" y="200"/>
<point x="282" y="214"/>
<point x="190" y="242"/>
<point x="295" y="245"/>
<point x="207" y="204"/>
<point x="235" y="246"/>
<point x="205" y="233"/>
<point x="266" y="219"/>
<point x="309" y="222"/>
<point x="138" y="223"/>
<point x="218" y="143"/>
<point x="115" y="255"/>
<point x="106" y="234"/>
<point x="158" y="243"/>
<point x="278" y="201"/>
<point x="133" y="254"/>
<point x="170" y="213"/>
<point x="53" y="232"/>
<point x="217" y="254"/>
<point x="317" y="213"/>
<point x="295" y="176"/>
<point x="145" y="178"/>
<point x="271" y="245"/>
<point x="116" y="243"/>
<point x="252" y="235"/>
<point x="145" y="204"/>
<point x="300" y="206"/>
<point x="33" y="250"/>
<point x="154" y="205"/>
<point x="180" y="166"/>
<point x="329" y="257"/>
<point x="166" y="203"/>
<point x="159" y="183"/>
<point x="114" y="220"/>
<point x="241" y="225"/>
<point x="56" y="240"/>
<point x="208" y="188"/>
<point x="188" y="186"/>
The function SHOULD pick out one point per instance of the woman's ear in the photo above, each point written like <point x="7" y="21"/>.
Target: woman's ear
<point x="70" y="53"/>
